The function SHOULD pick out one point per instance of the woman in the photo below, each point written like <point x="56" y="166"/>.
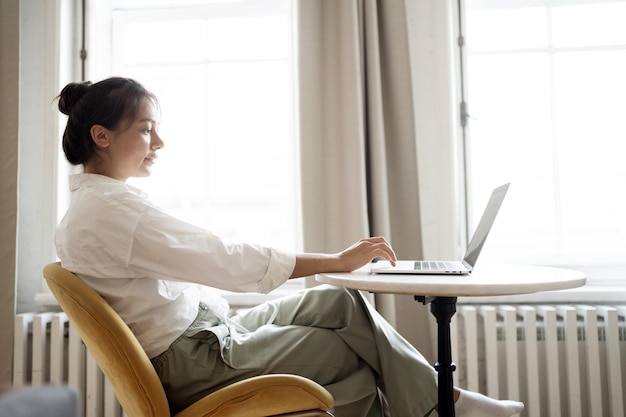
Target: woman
<point x="161" y="275"/>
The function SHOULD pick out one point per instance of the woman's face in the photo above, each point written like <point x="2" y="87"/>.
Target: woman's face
<point x="131" y="151"/>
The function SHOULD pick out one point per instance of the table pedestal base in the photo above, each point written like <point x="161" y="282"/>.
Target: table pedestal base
<point x="443" y="308"/>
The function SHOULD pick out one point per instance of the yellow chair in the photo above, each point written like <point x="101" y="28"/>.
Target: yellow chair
<point x="136" y="384"/>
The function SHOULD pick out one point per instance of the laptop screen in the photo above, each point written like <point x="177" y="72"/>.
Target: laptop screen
<point x="484" y="226"/>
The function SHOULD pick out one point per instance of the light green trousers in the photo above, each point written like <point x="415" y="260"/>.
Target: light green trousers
<point x="329" y="334"/>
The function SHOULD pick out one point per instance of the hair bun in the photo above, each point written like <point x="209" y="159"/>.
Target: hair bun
<point x="71" y="94"/>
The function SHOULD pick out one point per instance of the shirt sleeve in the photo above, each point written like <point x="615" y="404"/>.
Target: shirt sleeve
<point x="167" y="248"/>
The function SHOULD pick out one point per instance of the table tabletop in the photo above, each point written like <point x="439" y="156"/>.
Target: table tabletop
<point x="485" y="280"/>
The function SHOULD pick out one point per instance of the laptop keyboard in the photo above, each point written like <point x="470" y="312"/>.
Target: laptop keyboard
<point x="435" y="266"/>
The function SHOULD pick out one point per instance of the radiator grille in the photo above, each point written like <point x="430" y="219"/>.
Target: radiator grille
<point x="543" y="356"/>
<point x="47" y="350"/>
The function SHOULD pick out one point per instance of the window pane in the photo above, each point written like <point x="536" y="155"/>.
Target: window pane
<point x="253" y="92"/>
<point x="548" y="120"/>
<point x="160" y="42"/>
<point x="248" y="38"/>
<point x="591" y="141"/>
<point x="589" y="25"/>
<point x="223" y="79"/>
<point x="510" y="133"/>
<point x="508" y="29"/>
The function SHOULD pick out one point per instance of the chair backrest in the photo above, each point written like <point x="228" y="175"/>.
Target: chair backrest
<point x="109" y="340"/>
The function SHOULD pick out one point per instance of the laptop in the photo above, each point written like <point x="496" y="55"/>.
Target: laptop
<point x="462" y="267"/>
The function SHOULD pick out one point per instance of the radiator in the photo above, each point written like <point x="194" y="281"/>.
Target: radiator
<point x="47" y="350"/>
<point x="560" y="360"/>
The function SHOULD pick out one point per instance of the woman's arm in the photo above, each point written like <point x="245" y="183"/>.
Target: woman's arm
<point x="347" y="260"/>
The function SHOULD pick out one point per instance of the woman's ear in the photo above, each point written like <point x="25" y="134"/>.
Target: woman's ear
<point x="100" y="136"/>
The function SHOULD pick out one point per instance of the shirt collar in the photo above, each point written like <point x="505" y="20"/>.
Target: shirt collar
<point x="85" y="180"/>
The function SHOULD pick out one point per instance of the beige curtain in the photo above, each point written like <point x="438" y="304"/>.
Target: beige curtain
<point x="357" y="132"/>
<point x="9" y="83"/>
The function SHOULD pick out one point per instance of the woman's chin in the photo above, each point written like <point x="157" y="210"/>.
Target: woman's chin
<point x="145" y="171"/>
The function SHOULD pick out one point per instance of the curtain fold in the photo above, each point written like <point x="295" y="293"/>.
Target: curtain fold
<point x="331" y="123"/>
<point x="9" y="117"/>
<point x="357" y="137"/>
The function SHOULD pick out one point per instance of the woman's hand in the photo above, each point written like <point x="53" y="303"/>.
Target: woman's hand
<point x="354" y="257"/>
<point x="364" y="251"/>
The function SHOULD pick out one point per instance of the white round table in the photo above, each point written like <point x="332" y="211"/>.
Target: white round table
<point x="441" y="292"/>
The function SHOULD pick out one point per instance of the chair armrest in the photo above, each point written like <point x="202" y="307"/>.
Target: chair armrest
<point x="265" y="395"/>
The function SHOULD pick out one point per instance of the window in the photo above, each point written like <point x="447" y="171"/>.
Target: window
<point x="222" y="71"/>
<point x="545" y="85"/>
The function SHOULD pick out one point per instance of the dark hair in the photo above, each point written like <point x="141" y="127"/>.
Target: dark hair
<point x="104" y="103"/>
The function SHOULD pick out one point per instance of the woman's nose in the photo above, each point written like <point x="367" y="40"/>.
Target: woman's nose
<point x="157" y="142"/>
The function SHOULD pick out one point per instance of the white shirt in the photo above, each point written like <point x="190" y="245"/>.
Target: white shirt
<point x="147" y="264"/>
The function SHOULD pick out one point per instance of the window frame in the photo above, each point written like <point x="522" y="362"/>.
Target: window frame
<point x="603" y="279"/>
<point x="99" y="18"/>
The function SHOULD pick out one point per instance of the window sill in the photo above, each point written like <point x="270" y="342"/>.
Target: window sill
<point x="46" y="301"/>
<point x="596" y="294"/>
<point x="589" y="294"/>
